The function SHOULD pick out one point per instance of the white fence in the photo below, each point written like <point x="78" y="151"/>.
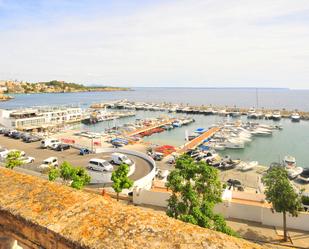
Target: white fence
<point x="247" y="206"/>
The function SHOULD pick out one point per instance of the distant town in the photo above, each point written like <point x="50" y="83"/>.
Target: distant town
<point x="54" y="86"/>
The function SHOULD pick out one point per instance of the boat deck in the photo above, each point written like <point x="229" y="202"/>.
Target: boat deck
<point x="197" y="141"/>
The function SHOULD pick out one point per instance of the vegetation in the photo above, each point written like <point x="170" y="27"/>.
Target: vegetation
<point x="13" y="160"/>
<point x="121" y="180"/>
<point x="55" y="86"/>
<point x="280" y="192"/>
<point x="76" y="177"/>
<point x="196" y="189"/>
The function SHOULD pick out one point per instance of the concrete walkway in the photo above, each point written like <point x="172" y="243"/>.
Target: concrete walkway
<point x="271" y="236"/>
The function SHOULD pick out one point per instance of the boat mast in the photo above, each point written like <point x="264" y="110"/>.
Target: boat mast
<point x="257" y="98"/>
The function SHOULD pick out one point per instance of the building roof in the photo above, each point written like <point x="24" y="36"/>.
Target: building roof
<point x="84" y="220"/>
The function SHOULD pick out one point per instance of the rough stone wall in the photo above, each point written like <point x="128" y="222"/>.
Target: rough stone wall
<point x="45" y="214"/>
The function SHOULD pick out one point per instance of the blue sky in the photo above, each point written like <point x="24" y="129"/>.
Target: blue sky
<point x="201" y="43"/>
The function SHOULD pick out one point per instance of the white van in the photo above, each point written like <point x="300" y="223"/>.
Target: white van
<point x="49" y="162"/>
<point x="118" y="158"/>
<point x="99" y="165"/>
<point x="49" y="142"/>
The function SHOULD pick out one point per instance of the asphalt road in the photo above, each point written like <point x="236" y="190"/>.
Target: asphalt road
<point x="142" y="167"/>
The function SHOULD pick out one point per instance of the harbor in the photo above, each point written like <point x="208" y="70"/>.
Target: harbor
<point x="241" y="143"/>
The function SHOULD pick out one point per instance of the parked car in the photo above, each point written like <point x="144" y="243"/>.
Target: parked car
<point x="16" y="135"/>
<point x="118" y="158"/>
<point x="53" y="146"/>
<point x="62" y="147"/>
<point x="49" y="142"/>
<point x="22" y="153"/>
<point x="27" y="159"/>
<point x="49" y="162"/>
<point x="99" y="165"/>
<point x="31" y="139"/>
<point x="3" y="152"/>
<point x="84" y="151"/>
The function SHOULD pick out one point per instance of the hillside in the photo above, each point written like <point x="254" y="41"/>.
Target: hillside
<point x="54" y="86"/>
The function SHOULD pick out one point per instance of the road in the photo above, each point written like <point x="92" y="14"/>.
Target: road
<point x="142" y="167"/>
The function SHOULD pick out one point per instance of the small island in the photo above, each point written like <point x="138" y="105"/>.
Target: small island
<point x="54" y="86"/>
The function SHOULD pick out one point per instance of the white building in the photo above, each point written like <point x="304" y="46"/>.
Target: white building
<point x="40" y="118"/>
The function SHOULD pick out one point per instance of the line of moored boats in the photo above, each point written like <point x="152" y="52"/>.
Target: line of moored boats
<point x="252" y="113"/>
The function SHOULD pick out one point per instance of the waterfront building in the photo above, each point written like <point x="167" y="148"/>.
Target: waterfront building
<point x="40" y="118"/>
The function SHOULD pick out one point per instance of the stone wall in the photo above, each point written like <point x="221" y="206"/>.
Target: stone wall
<point x="45" y="214"/>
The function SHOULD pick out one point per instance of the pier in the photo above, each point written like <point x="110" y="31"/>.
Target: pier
<point x="136" y="132"/>
<point x="197" y="141"/>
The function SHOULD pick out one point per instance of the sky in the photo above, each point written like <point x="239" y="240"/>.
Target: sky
<point x="181" y="43"/>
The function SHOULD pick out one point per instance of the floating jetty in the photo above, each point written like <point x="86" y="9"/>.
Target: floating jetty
<point x="148" y="128"/>
<point x="198" y="140"/>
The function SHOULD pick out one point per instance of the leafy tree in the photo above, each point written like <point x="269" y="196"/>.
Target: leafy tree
<point x="76" y="177"/>
<point x="13" y="159"/>
<point x="53" y="174"/>
<point x="280" y="192"/>
<point x="120" y="179"/>
<point x="196" y="189"/>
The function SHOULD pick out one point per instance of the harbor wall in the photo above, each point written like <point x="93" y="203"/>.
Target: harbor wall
<point x="251" y="209"/>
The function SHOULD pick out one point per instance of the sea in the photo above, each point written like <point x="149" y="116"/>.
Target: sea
<point x="292" y="140"/>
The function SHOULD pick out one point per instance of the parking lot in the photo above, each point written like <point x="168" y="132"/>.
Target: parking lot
<point x="71" y="155"/>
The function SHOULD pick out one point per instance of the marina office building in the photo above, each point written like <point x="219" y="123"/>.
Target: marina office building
<point x="40" y="118"/>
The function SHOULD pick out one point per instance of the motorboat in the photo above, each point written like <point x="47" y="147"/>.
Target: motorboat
<point x="289" y="162"/>
<point x="268" y="116"/>
<point x="246" y="166"/>
<point x="277" y="116"/>
<point x="251" y="113"/>
<point x="295" y="117"/>
<point x="304" y="176"/>
<point x="234" y="144"/>
<point x="200" y="130"/>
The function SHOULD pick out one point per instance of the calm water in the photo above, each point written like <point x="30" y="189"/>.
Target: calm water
<point x="292" y="140"/>
<point x="268" y="98"/>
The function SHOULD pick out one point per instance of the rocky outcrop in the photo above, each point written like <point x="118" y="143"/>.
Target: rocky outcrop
<point x="50" y="215"/>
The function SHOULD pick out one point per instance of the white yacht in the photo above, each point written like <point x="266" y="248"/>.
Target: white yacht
<point x="245" y="166"/>
<point x="251" y="113"/>
<point x="234" y="143"/>
<point x="277" y="116"/>
<point x="289" y="163"/>
<point x="295" y="117"/>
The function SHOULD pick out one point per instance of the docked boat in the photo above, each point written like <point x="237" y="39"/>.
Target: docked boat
<point x="268" y="116"/>
<point x="295" y="117"/>
<point x="289" y="162"/>
<point x="246" y="166"/>
<point x="304" y="176"/>
<point x="209" y="111"/>
<point x="234" y="144"/>
<point x="277" y="116"/>
<point x="251" y="113"/>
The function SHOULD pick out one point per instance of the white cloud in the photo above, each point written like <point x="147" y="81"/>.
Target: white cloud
<point x="201" y="43"/>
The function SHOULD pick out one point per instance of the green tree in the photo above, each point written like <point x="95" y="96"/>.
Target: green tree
<point x="13" y="159"/>
<point x="196" y="189"/>
<point x="76" y="177"/>
<point x="120" y="179"/>
<point x="281" y="194"/>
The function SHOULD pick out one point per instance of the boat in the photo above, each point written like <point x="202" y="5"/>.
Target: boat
<point x="295" y="117"/>
<point x="233" y="143"/>
<point x="268" y="116"/>
<point x="251" y="113"/>
<point x="200" y="130"/>
<point x="177" y="123"/>
<point x="245" y="166"/>
<point x="304" y="176"/>
<point x="209" y="111"/>
<point x="289" y="162"/>
<point x="277" y="116"/>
